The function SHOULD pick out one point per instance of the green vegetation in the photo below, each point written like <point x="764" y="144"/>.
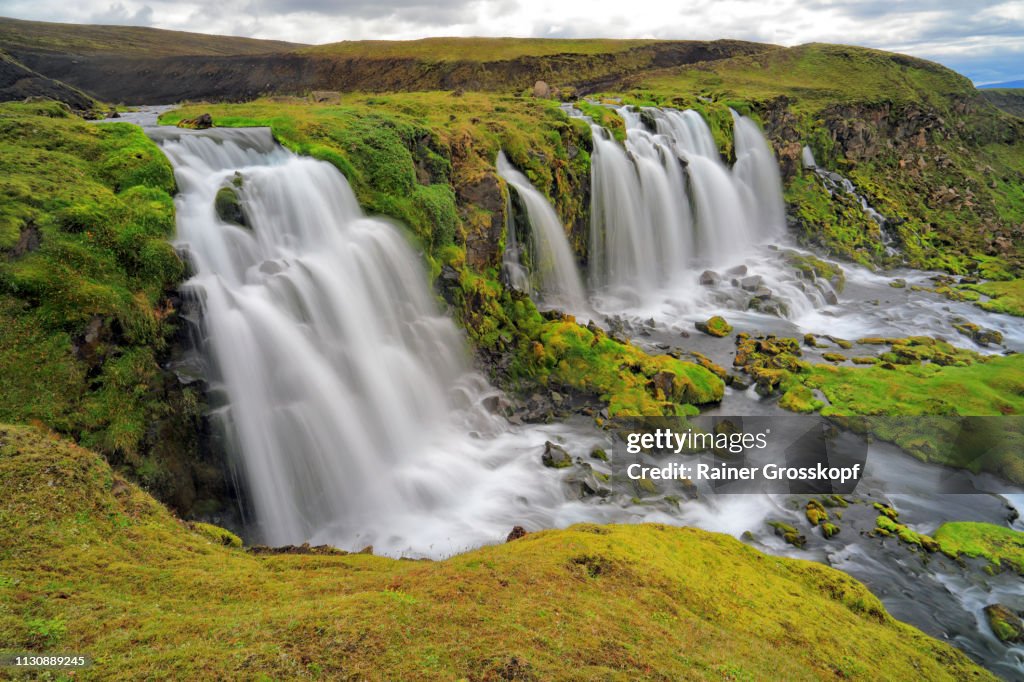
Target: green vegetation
<point x="84" y="39"/>
<point x="715" y="326"/>
<point x="1002" y="547"/>
<point x="149" y="597"/>
<point x="85" y="272"/>
<point x="1004" y="297"/>
<point x="475" y="49"/>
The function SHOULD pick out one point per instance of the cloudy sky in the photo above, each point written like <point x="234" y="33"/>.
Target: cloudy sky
<point x="983" y="39"/>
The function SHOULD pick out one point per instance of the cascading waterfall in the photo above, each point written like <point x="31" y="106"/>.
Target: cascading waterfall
<point x="350" y="408"/>
<point x="559" y="282"/>
<point x="835" y="182"/>
<point x="665" y="207"/>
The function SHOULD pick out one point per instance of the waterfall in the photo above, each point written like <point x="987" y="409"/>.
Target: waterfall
<point x="665" y="201"/>
<point x="349" y="407"/>
<point x="554" y="265"/>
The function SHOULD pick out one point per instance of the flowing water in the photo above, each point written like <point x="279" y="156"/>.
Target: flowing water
<point x="554" y="265"/>
<point x="354" y="418"/>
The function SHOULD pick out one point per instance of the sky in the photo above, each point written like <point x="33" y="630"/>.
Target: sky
<point x="983" y="39"/>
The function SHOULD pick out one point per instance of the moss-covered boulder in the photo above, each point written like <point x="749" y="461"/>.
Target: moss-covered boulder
<point x="229" y="207"/>
<point x="1006" y="624"/>
<point x="714" y="326"/>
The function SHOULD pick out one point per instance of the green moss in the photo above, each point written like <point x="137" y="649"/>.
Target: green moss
<point x="202" y="609"/>
<point x="715" y="326"/>
<point x="1001" y="546"/>
<point x="216" y="534"/>
<point x="1004" y="297"/>
<point x="800" y="399"/>
<point x="84" y="316"/>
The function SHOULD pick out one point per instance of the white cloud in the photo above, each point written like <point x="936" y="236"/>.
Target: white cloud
<point x="981" y="38"/>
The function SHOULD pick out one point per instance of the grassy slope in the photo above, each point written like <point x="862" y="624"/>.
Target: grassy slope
<point x="380" y="141"/>
<point x="475" y="49"/>
<point x="814" y="76"/>
<point x="86" y="39"/>
<point x="84" y="316"/>
<point x="90" y="564"/>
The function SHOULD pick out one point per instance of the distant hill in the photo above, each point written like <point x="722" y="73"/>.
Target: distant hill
<point x="18" y="82"/>
<point x="1010" y="100"/>
<point x="1007" y="84"/>
<point x="19" y="37"/>
<point x="143" y="65"/>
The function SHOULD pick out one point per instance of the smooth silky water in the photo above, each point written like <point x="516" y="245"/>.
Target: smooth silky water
<point x="353" y="416"/>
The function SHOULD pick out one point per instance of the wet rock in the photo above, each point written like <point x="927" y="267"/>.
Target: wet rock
<point x="834" y="357"/>
<point x="898" y="283"/>
<point x="739" y="382"/>
<point x="714" y="326"/>
<point x="270" y="267"/>
<point x="738" y="271"/>
<point x="555" y="456"/>
<point x="200" y="122"/>
<point x="980" y="335"/>
<point x="586" y="482"/>
<point x="710" y="278"/>
<point x="763" y="293"/>
<point x="1005" y="623"/>
<point x="229" y="207"/>
<point x="599" y="454"/>
<point x="831" y="298"/>
<point x="516" y="533"/>
<point x="752" y="283"/>
<point x="788" y="533"/>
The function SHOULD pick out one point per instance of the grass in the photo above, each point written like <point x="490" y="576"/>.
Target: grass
<point x="814" y="75"/>
<point x="1004" y="297"/>
<point x="999" y="545"/>
<point x="476" y="49"/>
<point x="85" y="39"/>
<point x="91" y="564"/>
<point x="84" y="279"/>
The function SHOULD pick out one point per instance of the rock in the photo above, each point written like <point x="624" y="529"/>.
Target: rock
<point x="28" y="241"/>
<point x="715" y="326"/>
<point x="325" y="97"/>
<point x="664" y="382"/>
<point x="541" y="90"/>
<point x="555" y="456"/>
<point x="831" y="298"/>
<point x="739" y="382"/>
<point x="739" y="270"/>
<point x="815" y="512"/>
<point x="516" y="533"/>
<point x="979" y="334"/>
<point x="270" y="267"/>
<point x="834" y="357"/>
<point x="752" y="283"/>
<point x="201" y="122"/>
<point x="898" y="283"/>
<point x="1005" y="623"/>
<point x="763" y="293"/>
<point x="710" y="278"/>
<point x="599" y="453"/>
<point x="229" y="207"/>
<point x="585" y="482"/>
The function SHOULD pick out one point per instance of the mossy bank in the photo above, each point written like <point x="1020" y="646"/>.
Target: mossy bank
<point x="90" y="563"/>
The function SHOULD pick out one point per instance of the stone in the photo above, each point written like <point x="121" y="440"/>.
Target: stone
<point x="739" y="270"/>
<point x="229" y="207"/>
<point x="541" y="90"/>
<point x="752" y="283"/>
<point x="555" y="456"/>
<point x="710" y="278"/>
<point x="325" y="97"/>
<point x="1006" y="624"/>
<point x="200" y="122"/>
<point x="516" y="533"/>
<point x="714" y="326"/>
<point x="831" y="298"/>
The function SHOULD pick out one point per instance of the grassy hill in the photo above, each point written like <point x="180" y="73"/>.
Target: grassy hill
<point x="1010" y="100"/>
<point x="18" y="36"/>
<point x="90" y="564"/>
<point x="478" y="49"/>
